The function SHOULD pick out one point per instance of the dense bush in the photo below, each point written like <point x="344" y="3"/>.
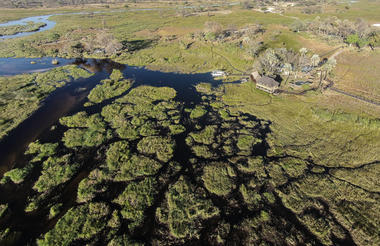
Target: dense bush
<point x="162" y="147"/>
<point x="136" y="197"/>
<point x="218" y="178"/>
<point x="185" y="209"/>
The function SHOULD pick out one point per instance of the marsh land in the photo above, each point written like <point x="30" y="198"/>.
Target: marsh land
<point x="116" y="128"/>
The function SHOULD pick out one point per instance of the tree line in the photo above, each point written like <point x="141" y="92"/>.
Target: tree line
<point x="358" y="33"/>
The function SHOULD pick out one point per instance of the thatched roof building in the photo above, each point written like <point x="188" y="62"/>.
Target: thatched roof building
<point x="267" y="84"/>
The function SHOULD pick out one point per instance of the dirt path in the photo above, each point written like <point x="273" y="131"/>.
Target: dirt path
<point x="367" y="100"/>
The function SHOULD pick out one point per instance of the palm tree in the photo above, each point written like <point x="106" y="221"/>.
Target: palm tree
<point x="326" y="69"/>
<point x="287" y="70"/>
<point x="303" y="52"/>
<point x="315" y="60"/>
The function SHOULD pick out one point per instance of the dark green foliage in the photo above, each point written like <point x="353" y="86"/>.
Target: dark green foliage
<point x="81" y="222"/>
<point x="246" y="142"/>
<point x="109" y="88"/>
<point x="206" y="136"/>
<point x="93" y="131"/>
<point x="184" y="209"/>
<point x="177" y="129"/>
<point x="197" y="112"/>
<point x="162" y="147"/>
<point x="3" y="208"/>
<point x="217" y="178"/>
<point x="17" y="175"/>
<point x="127" y="166"/>
<point x="54" y="210"/>
<point x="42" y="150"/>
<point x="55" y="171"/>
<point x="136" y="197"/>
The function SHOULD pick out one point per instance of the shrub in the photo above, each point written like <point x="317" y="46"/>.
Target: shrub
<point x="197" y="112"/>
<point x="55" y="171"/>
<point x="185" y="209"/>
<point x="206" y="136"/>
<point x="81" y="222"/>
<point x="136" y="197"/>
<point x="217" y="178"/>
<point x="162" y="147"/>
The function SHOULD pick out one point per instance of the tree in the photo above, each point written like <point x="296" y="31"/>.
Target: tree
<point x="352" y="39"/>
<point x="303" y="52"/>
<point x="315" y="60"/>
<point x="326" y="69"/>
<point x="287" y="69"/>
<point x="269" y="62"/>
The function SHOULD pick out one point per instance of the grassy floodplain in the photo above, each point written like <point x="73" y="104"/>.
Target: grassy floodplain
<point x="137" y="165"/>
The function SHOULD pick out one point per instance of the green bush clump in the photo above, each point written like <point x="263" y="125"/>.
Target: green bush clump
<point x="3" y="208"/>
<point x="149" y="129"/>
<point x="137" y="166"/>
<point x="251" y="197"/>
<point x="217" y="178"/>
<point x="136" y="197"/>
<point x="76" y="120"/>
<point x="42" y="150"/>
<point x="202" y="151"/>
<point x="84" y="137"/>
<point x="124" y="240"/>
<point x="294" y="167"/>
<point x="145" y="94"/>
<point x="55" y="210"/>
<point x="110" y="88"/>
<point x="206" y="136"/>
<point x="81" y="222"/>
<point x="90" y="186"/>
<point x="185" y="209"/>
<point x="94" y="133"/>
<point x="252" y="164"/>
<point x="55" y="171"/>
<point x="17" y="175"/>
<point x="197" y="112"/>
<point x="117" y="154"/>
<point x="162" y="147"/>
<point x="176" y="129"/>
<point x="246" y="142"/>
<point x="127" y="166"/>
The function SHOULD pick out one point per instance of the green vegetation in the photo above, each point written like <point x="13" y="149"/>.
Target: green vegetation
<point x="17" y="175"/>
<point x="81" y="222"/>
<point x="41" y="150"/>
<point x="21" y="95"/>
<point x="240" y="166"/>
<point x="29" y="27"/>
<point x="163" y="148"/>
<point x="206" y="136"/>
<point x="92" y="133"/>
<point x="218" y="178"/>
<point x="135" y="199"/>
<point x="197" y="112"/>
<point x="129" y="167"/>
<point x="184" y="210"/>
<point x="55" y="210"/>
<point x="109" y="88"/>
<point x="55" y="171"/>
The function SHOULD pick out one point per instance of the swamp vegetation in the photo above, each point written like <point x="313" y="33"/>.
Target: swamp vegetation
<point x="137" y="165"/>
<point x="121" y="155"/>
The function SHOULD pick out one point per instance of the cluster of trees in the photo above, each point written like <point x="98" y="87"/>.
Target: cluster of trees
<point x="274" y="62"/>
<point x="51" y="3"/>
<point x="215" y="31"/>
<point x="357" y="33"/>
<point x="103" y="43"/>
